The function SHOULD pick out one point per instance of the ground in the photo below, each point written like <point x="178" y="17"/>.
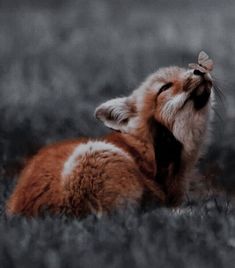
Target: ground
<point x="58" y="61"/>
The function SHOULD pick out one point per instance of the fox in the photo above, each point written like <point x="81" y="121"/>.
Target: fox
<point x="157" y="134"/>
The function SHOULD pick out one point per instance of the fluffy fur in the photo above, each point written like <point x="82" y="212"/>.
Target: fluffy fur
<point x="161" y="129"/>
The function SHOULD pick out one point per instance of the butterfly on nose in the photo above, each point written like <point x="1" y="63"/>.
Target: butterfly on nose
<point x="204" y="65"/>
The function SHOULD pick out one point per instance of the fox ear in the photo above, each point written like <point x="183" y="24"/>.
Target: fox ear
<point x="117" y="113"/>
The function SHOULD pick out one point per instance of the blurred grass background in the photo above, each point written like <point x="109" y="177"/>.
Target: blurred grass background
<point x="60" y="59"/>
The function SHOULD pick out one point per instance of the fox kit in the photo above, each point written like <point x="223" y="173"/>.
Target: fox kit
<point x="158" y="134"/>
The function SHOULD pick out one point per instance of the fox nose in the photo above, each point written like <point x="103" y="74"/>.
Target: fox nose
<point x="197" y="72"/>
<point x="203" y="76"/>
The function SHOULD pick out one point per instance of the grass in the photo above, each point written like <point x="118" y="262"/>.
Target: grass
<point x="58" y="61"/>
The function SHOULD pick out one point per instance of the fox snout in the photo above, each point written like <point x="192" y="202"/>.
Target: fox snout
<point x="200" y="90"/>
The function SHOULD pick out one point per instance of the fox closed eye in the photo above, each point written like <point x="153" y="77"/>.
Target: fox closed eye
<point x="165" y="87"/>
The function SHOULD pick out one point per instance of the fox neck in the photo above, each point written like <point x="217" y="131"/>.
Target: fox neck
<point x="170" y="173"/>
<point x="167" y="151"/>
<point x="157" y="155"/>
<point x="174" y="160"/>
<point x="193" y="132"/>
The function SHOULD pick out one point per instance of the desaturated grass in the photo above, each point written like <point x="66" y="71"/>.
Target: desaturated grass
<point x="57" y="62"/>
<point x="161" y="238"/>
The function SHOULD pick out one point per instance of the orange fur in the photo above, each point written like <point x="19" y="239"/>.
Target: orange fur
<point x="96" y="185"/>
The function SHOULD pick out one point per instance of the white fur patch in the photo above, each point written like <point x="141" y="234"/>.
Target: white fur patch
<point x="87" y="149"/>
<point x="190" y="129"/>
<point x="173" y="105"/>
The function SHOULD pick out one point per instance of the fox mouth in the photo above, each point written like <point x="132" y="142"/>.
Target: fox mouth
<point x="200" y="95"/>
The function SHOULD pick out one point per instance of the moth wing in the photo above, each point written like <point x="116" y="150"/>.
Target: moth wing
<point x="202" y="57"/>
<point x="202" y="69"/>
<point x="209" y="65"/>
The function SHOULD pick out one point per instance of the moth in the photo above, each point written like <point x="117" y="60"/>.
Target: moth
<point x="204" y="65"/>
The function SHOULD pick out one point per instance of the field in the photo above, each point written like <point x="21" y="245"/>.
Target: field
<point x="58" y="61"/>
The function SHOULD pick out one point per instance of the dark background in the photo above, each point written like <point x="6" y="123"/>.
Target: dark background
<point x="60" y="59"/>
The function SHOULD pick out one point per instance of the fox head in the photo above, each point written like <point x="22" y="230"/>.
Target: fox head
<point x="179" y="99"/>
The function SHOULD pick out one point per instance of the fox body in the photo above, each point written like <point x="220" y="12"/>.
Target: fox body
<point x="158" y="134"/>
